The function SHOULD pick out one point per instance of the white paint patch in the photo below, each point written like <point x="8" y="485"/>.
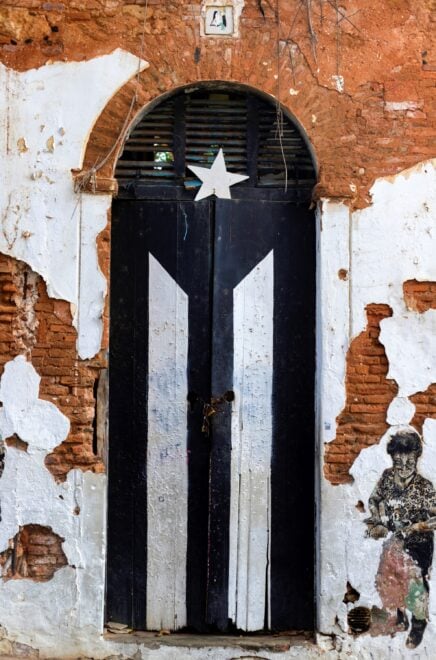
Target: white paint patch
<point x="339" y="83"/>
<point x="35" y="421"/>
<point x="401" y="106"/>
<point x="253" y="307"/>
<point x="167" y="457"/>
<point x="43" y="133"/>
<point x="400" y="411"/>
<point x="410" y="343"/>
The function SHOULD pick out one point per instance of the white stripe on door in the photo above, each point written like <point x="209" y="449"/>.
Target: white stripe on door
<point x="167" y="469"/>
<point x="253" y="308"/>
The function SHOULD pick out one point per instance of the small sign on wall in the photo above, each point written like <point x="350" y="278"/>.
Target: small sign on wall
<point x="218" y="19"/>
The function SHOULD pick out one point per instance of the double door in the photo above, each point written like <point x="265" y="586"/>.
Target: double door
<point x="211" y="520"/>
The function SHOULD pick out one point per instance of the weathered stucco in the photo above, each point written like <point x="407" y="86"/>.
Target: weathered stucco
<point x="44" y="222"/>
<point x="391" y="241"/>
<point x="365" y="102"/>
<point x="75" y="509"/>
<point x="41" y="614"/>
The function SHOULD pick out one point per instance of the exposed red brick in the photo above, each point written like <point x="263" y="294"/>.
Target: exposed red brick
<point x="425" y="403"/>
<point x="15" y="441"/>
<point x="362" y="422"/>
<point x="35" y="552"/>
<point x="50" y="342"/>
<point x="270" y="57"/>
<point x="419" y="296"/>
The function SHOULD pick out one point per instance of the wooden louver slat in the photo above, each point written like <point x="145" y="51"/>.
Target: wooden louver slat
<point x="191" y="127"/>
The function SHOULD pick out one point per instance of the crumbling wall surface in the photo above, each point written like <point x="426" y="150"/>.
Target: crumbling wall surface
<point x="360" y="78"/>
<point x="44" y="222"/>
<point x="51" y="534"/>
<point x="389" y="248"/>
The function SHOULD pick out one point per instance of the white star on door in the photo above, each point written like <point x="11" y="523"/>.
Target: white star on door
<point x="217" y="180"/>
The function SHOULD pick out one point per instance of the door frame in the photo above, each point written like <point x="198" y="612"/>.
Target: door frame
<point x="180" y="193"/>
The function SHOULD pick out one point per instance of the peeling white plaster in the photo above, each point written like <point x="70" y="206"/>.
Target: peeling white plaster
<point x="391" y="241"/>
<point x="410" y="343"/>
<point x="394" y="240"/>
<point x="43" y="135"/>
<point x="70" y="605"/>
<point x="400" y="411"/>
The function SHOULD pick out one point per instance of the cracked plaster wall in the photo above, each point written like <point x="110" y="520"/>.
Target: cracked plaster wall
<point x="382" y="246"/>
<point x="71" y="603"/>
<point x="44" y="223"/>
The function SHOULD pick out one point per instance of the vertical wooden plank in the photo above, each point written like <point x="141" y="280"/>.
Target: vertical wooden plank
<point x="120" y="540"/>
<point x="138" y="449"/>
<point x="292" y="468"/>
<point x="167" y="472"/>
<point x="246" y="233"/>
<point x="219" y="473"/>
<point x="253" y="304"/>
<point x="178" y="236"/>
<point x="194" y="273"/>
<point x="239" y="246"/>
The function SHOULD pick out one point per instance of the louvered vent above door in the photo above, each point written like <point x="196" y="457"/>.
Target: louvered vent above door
<point x="213" y="122"/>
<point x="148" y="154"/>
<point x="190" y="128"/>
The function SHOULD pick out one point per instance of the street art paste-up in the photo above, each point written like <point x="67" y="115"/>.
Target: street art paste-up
<point x="403" y="509"/>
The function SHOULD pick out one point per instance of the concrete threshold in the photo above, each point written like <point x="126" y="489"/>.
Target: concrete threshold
<point x="271" y="643"/>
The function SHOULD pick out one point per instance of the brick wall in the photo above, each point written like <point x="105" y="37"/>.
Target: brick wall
<point x="362" y="422"/>
<point x="68" y="382"/>
<point x="383" y="122"/>
<point x="50" y="343"/>
<point x="419" y="296"/>
<point x="35" y="552"/>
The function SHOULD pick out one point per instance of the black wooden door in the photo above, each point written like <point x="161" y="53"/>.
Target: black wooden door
<point x="211" y="415"/>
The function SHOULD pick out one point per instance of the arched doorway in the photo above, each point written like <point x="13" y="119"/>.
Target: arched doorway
<point x="212" y="363"/>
